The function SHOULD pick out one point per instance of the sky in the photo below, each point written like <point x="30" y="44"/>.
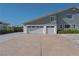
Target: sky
<point x="17" y="14"/>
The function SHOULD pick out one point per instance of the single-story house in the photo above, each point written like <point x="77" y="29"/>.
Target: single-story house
<point x="3" y="25"/>
<point x="50" y="24"/>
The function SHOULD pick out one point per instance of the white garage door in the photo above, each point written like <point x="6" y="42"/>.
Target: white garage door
<point x="50" y="29"/>
<point x="35" y="29"/>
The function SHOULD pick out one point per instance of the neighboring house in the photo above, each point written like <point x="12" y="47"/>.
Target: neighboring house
<point x="3" y="25"/>
<point x="50" y="24"/>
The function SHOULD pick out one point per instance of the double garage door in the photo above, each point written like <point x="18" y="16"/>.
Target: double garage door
<point x="40" y="29"/>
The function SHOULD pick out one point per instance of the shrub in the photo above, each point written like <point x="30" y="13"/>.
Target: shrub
<point x="6" y="30"/>
<point x="71" y="31"/>
<point x="3" y="31"/>
<point x="18" y="29"/>
<point x="11" y="30"/>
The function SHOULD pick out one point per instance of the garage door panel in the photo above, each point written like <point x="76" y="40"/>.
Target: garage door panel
<point x="35" y="30"/>
<point x="40" y="29"/>
<point x="50" y="29"/>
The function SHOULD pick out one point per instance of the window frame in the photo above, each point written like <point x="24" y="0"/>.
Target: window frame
<point x="67" y="26"/>
<point x="50" y="26"/>
<point x="54" y="17"/>
<point x="40" y="26"/>
<point x="29" y="26"/>
<point x="61" y="26"/>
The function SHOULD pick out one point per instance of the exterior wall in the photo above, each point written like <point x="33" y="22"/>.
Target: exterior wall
<point x="24" y="29"/>
<point x="47" y="21"/>
<point x="44" y="30"/>
<point x="62" y="19"/>
<point x="44" y="22"/>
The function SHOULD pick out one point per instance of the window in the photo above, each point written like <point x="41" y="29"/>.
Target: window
<point x="61" y="26"/>
<point x="74" y="25"/>
<point x="67" y="26"/>
<point x="52" y="18"/>
<point x="41" y="26"/>
<point x="29" y="26"/>
<point x="33" y="26"/>
<point x="50" y="26"/>
<point x="37" y="26"/>
<point x="69" y="16"/>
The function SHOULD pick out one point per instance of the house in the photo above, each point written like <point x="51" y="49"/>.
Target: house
<point x="51" y="24"/>
<point x="3" y="25"/>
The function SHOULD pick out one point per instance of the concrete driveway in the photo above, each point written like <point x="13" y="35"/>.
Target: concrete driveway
<point x="6" y="37"/>
<point x="72" y="37"/>
<point x="19" y="44"/>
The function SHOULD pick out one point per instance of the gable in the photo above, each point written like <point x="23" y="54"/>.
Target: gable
<point x="43" y="19"/>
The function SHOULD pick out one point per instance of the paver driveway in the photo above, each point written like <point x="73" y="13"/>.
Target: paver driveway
<point x="37" y="45"/>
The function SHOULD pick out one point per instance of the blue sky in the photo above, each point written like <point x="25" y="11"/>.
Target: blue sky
<point x="16" y="14"/>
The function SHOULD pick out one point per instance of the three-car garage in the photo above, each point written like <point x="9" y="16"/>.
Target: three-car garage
<point x="39" y="29"/>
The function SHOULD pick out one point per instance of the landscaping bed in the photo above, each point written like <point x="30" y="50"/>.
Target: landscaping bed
<point x="69" y="32"/>
<point x="11" y="30"/>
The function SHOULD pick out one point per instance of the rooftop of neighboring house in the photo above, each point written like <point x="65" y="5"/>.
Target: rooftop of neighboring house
<point x="4" y="23"/>
<point x="40" y="19"/>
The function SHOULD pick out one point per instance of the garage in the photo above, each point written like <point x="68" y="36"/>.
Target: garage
<point x="50" y="29"/>
<point x="39" y="29"/>
<point x="35" y="29"/>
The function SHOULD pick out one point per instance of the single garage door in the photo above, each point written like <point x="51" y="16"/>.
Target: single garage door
<point x="35" y="29"/>
<point x="50" y="29"/>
